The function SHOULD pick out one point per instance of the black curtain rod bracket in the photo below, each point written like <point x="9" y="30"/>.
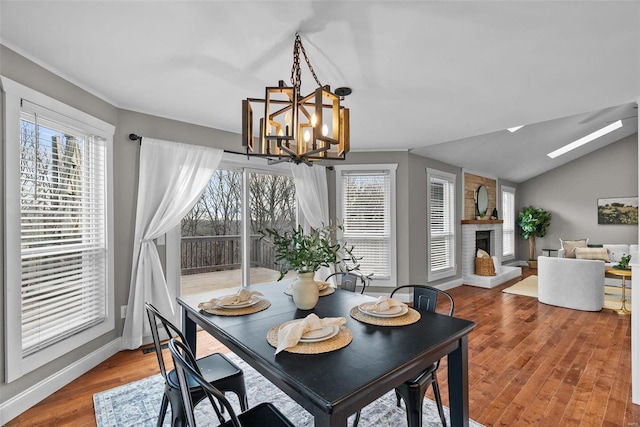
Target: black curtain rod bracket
<point x="134" y="137"/>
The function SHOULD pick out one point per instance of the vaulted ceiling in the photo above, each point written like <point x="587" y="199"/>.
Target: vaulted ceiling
<point x="442" y="79"/>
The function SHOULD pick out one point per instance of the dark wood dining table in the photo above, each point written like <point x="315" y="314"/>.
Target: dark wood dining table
<point x="334" y="385"/>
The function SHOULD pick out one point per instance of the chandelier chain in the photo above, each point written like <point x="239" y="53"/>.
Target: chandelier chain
<point x="296" y="73"/>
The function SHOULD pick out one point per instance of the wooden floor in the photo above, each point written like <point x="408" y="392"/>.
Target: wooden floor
<point x="530" y="364"/>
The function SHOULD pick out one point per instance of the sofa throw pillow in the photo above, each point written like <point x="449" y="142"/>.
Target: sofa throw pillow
<point x="570" y="246"/>
<point x="593" y="253"/>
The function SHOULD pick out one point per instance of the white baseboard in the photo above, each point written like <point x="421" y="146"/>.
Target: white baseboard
<point x="450" y="284"/>
<point x="38" y="392"/>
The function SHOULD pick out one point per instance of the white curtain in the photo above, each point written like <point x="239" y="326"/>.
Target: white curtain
<point x="171" y="179"/>
<point x="313" y="198"/>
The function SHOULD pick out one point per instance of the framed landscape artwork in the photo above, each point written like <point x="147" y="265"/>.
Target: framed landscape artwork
<point x="618" y="210"/>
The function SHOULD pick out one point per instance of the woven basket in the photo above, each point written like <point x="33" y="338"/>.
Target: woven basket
<point x="484" y="267"/>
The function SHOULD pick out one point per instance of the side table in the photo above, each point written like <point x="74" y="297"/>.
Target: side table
<point x="622" y="274"/>
<point x="548" y="251"/>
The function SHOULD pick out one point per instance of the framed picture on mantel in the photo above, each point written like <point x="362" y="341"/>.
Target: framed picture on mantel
<point x="618" y="210"/>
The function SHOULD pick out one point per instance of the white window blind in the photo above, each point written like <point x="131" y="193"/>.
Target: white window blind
<point x="509" y="222"/>
<point x="366" y="216"/>
<point x="63" y="230"/>
<point x="441" y="224"/>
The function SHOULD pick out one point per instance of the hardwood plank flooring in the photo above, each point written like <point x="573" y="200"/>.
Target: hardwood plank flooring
<point x="530" y="364"/>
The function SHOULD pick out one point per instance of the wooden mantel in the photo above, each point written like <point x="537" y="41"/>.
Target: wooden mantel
<point x="482" y="221"/>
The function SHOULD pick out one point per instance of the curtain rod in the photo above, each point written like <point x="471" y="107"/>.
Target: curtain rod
<point x="134" y="137"/>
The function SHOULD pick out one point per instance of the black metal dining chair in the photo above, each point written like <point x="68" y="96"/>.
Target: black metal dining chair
<point x="348" y="280"/>
<point x="425" y="298"/>
<point x="216" y="368"/>
<point x="262" y="415"/>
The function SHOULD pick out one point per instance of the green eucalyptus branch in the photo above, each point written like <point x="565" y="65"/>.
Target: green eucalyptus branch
<point x="306" y="253"/>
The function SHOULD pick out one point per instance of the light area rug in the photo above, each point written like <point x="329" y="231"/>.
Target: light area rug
<point x="529" y="287"/>
<point x="138" y="404"/>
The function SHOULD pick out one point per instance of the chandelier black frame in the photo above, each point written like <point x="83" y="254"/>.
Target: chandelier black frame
<point x="295" y="128"/>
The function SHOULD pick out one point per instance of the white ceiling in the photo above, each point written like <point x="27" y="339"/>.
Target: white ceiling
<point x="442" y="79"/>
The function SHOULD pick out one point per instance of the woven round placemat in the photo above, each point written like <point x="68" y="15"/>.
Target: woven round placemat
<point x="323" y="293"/>
<point x="262" y="305"/>
<point x="341" y="340"/>
<point x="412" y="316"/>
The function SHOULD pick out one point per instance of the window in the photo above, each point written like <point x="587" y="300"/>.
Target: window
<point x="509" y="222"/>
<point x="365" y="205"/>
<point x="441" y="212"/>
<point x="57" y="201"/>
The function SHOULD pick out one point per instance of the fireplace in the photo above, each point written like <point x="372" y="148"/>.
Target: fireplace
<point x="483" y="241"/>
<point x="490" y="236"/>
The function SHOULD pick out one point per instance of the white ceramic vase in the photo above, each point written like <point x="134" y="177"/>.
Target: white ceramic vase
<point x="305" y="291"/>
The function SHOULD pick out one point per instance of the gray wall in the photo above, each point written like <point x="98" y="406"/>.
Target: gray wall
<point x="417" y="218"/>
<point x="570" y="193"/>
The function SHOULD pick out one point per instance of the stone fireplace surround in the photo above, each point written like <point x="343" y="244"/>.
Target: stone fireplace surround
<point x="469" y="277"/>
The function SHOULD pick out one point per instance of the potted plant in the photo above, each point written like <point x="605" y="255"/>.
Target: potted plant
<point x="533" y="222"/>
<point x="305" y="253"/>
<point x="624" y="263"/>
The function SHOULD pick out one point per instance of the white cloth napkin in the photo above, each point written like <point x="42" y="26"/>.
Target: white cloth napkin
<point x="496" y="264"/>
<point x="289" y="335"/>
<point x="322" y="285"/>
<point x="241" y="296"/>
<point x="383" y="304"/>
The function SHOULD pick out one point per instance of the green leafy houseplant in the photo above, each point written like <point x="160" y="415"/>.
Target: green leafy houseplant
<point x="307" y="252"/>
<point x="624" y="263"/>
<point x="533" y="222"/>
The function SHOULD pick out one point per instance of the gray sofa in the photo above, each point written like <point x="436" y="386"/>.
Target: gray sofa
<point x="615" y="252"/>
<point x="571" y="283"/>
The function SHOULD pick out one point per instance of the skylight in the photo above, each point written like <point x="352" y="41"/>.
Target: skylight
<point x="586" y="139"/>
<point x="513" y="129"/>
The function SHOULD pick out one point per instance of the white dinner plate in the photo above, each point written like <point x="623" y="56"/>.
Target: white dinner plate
<point x="396" y="311"/>
<point x="251" y="301"/>
<point x="321" y="334"/>
<point x="317" y="335"/>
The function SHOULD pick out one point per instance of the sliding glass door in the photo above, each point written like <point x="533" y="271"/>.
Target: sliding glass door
<point x="220" y="241"/>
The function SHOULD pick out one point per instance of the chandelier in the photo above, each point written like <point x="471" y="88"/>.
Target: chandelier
<point x="295" y="128"/>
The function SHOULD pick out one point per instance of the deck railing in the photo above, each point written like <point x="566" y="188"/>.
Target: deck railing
<point x="203" y="254"/>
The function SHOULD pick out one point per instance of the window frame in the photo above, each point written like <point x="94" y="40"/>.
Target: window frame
<point x="451" y="179"/>
<point x="508" y="225"/>
<point x="17" y="365"/>
<point x="391" y="169"/>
